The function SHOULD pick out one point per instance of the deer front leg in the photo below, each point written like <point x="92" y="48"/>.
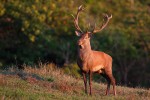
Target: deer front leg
<point x="85" y="81"/>
<point x="90" y="82"/>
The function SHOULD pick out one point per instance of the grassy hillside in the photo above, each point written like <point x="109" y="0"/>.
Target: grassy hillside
<point x="50" y="83"/>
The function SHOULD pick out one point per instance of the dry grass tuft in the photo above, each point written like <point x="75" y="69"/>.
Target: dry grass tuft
<point x="2" y="81"/>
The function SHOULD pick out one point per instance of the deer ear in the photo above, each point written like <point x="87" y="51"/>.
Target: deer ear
<point x="78" y="33"/>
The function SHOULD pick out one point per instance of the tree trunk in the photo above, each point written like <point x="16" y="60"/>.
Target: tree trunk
<point x="125" y="78"/>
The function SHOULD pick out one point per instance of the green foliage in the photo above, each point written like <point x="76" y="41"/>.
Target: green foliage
<point x="50" y="79"/>
<point x="73" y="70"/>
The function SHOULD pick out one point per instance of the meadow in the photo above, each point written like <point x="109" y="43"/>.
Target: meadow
<point x="47" y="82"/>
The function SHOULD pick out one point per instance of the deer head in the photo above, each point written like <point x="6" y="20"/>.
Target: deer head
<point x="84" y="40"/>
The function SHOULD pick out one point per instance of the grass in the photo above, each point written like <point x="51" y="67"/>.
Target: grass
<point x="50" y="83"/>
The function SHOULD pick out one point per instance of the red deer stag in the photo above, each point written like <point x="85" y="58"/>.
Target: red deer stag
<point x="91" y="61"/>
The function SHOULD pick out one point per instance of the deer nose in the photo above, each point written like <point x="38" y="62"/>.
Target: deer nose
<point x="79" y="42"/>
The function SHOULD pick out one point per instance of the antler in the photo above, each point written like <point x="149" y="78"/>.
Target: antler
<point x="76" y="19"/>
<point x="106" y="19"/>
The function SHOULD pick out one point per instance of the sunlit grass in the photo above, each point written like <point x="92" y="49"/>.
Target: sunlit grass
<point x="49" y="82"/>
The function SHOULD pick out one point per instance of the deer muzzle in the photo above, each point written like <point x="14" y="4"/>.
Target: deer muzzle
<point x="80" y="44"/>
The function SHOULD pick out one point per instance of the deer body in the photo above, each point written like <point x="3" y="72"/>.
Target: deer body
<point x="94" y="61"/>
<point x="91" y="61"/>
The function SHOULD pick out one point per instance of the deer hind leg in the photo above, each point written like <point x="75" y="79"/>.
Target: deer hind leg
<point x="113" y="83"/>
<point x="108" y="83"/>
<point x="112" y="79"/>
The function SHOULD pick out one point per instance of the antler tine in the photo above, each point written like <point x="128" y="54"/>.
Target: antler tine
<point x="106" y="18"/>
<point x="93" y="28"/>
<point x="89" y="25"/>
<point x="80" y="8"/>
